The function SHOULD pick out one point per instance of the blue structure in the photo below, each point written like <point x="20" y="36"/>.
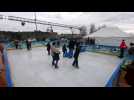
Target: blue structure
<point x="115" y="75"/>
<point x="8" y="73"/>
<point x="113" y="49"/>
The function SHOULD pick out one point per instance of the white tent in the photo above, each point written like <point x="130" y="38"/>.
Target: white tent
<point x="111" y="36"/>
<point x="109" y="32"/>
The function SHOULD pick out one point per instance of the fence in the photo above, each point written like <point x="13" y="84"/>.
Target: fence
<point x="8" y="73"/>
<point x="114" y="50"/>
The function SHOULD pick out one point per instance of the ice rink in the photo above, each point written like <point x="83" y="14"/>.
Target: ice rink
<point x="33" y="69"/>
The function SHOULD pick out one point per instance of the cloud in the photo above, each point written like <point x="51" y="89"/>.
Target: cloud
<point x="123" y="20"/>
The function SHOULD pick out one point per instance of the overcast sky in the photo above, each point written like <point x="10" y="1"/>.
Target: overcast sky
<point x="123" y="20"/>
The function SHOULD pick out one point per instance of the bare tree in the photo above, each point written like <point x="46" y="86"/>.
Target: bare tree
<point x="92" y="28"/>
<point x="83" y="30"/>
<point x="101" y="27"/>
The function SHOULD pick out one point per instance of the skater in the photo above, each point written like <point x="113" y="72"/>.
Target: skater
<point x="123" y="46"/>
<point x="71" y="48"/>
<point x="48" y="48"/>
<point x="58" y="43"/>
<point x="76" y="55"/>
<point x="30" y="43"/>
<point x="27" y="43"/>
<point x="64" y="50"/>
<point x="55" y="55"/>
<point x="16" y="44"/>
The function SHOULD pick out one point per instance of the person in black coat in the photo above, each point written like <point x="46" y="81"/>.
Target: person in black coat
<point x="76" y="55"/>
<point x="64" y="50"/>
<point x="30" y="43"/>
<point x="48" y="48"/>
<point x="71" y="48"/>
<point x="130" y="74"/>
<point x="16" y="43"/>
<point x="131" y="49"/>
<point x="27" y="43"/>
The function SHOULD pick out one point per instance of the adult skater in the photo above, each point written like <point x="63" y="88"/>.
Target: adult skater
<point x="48" y="48"/>
<point x="30" y="43"/>
<point x="71" y="48"/>
<point x="64" y="50"/>
<point x="76" y="55"/>
<point x="55" y="55"/>
<point x="27" y="43"/>
<point x="123" y="46"/>
<point x="16" y="42"/>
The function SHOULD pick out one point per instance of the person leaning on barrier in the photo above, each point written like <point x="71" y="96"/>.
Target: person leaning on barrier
<point x="123" y="46"/>
<point x="129" y="77"/>
<point x="131" y="49"/>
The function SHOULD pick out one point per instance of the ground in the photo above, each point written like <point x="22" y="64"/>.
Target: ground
<point x="33" y="69"/>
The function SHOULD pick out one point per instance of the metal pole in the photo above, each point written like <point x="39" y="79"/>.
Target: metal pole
<point x="71" y="31"/>
<point x="35" y="21"/>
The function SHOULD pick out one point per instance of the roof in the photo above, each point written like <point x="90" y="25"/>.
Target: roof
<point x="109" y="32"/>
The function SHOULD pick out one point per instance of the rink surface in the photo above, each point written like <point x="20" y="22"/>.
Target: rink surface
<point x="34" y="69"/>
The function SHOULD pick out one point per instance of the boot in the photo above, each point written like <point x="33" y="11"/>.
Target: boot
<point x="56" y="67"/>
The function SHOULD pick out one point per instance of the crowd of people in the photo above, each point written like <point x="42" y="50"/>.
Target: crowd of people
<point x="18" y="44"/>
<point x="73" y="50"/>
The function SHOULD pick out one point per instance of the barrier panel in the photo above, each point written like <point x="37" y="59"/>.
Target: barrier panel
<point x="113" y="80"/>
<point x="8" y="73"/>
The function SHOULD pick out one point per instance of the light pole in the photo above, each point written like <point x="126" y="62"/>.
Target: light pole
<point x="71" y="31"/>
<point x="35" y="21"/>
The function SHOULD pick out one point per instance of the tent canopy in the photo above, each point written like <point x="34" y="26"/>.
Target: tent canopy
<point x="109" y="32"/>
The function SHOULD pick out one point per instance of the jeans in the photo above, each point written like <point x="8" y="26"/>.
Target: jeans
<point x="55" y="62"/>
<point x="64" y="53"/>
<point x="121" y="53"/>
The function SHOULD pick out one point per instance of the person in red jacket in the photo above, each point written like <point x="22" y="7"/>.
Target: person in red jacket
<point x="123" y="46"/>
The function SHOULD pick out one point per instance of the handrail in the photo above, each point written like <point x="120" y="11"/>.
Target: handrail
<point x="7" y="65"/>
<point x="115" y="75"/>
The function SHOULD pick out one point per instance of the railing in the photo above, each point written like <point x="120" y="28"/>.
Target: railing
<point x="114" y="50"/>
<point x="114" y="79"/>
<point x="7" y="65"/>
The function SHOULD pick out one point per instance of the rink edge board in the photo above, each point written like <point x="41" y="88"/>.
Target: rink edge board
<point x="10" y="83"/>
<point x="24" y="48"/>
<point x="115" y="74"/>
<point x="8" y="71"/>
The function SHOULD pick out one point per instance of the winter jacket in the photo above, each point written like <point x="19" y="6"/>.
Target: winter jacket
<point x="54" y="50"/>
<point x="131" y="50"/>
<point x="64" y="48"/>
<point x="48" y="46"/>
<point x="130" y="74"/>
<point x="123" y="45"/>
<point x="77" y="52"/>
